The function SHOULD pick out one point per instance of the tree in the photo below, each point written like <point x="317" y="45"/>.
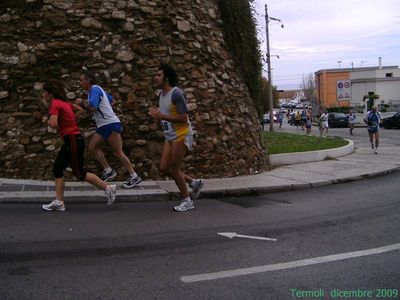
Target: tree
<point x="264" y="97"/>
<point x="308" y="86"/>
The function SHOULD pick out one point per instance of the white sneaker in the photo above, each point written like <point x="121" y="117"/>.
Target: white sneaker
<point x="376" y="151"/>
<point x="110" y="192"/>
<point x="185" y="205"/>
<point x="196" y="185"/>
<point x="54" y="206"/>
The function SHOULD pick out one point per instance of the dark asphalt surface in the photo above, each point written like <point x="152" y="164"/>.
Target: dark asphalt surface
<point x="141" y="250"/>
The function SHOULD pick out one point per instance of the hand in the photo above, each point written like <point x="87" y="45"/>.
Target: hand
<point x="154" y="126"/>
<point x="155" y="113"/>
<point x="79" y="101"/>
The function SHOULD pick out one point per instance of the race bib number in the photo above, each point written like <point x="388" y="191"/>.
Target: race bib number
<point x="165" y="126"/>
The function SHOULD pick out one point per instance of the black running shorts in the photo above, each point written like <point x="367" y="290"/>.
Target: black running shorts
<point x="71" y="154"/>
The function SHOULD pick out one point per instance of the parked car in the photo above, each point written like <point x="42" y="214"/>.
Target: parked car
<point x="285" y="105"/>
<point x="391" y="122"/>
<point x="338" y="119"/>
<point x="266" y="117"/>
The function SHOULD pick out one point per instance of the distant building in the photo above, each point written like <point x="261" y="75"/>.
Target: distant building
<point x="325" y="87"/>
<point x="286" y="94"/>
<point x="381" y="81"/>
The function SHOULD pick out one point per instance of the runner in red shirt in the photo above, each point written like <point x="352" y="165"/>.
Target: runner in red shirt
<point x="62" y="116"/>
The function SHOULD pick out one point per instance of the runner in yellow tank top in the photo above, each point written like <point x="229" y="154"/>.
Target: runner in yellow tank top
<point x="172" y="113"/>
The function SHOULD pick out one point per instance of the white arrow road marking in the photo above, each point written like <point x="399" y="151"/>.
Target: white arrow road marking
<point x="288" y="265"/>
<point x="231" y="235"/>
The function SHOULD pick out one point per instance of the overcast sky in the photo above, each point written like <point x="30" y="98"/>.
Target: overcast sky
<point x="319" y="33"/>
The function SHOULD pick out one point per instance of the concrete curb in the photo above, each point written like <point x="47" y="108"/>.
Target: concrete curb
<point x="310" y="156"/>
<point x="253" y="191"/>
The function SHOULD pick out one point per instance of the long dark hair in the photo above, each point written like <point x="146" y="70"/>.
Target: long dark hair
<point x="56" y="88"/>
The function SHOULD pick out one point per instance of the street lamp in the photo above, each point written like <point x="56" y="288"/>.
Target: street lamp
<point x="270" y="102"/>
<point x="339" y="61"/>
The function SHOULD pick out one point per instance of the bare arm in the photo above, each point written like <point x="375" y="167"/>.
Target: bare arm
<point x="78" y="110"/>
<point x="156" y="114"/>
<point x="53" y="121"/>
<point x="84" y="104"/>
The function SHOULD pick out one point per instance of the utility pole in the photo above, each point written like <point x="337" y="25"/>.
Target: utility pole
<point x="270" y="94"/>
<point x="270" y="100"/>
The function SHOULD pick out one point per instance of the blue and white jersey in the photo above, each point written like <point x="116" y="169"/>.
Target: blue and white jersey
<point x="101" y="101"/>
<point x="373" y="119"/>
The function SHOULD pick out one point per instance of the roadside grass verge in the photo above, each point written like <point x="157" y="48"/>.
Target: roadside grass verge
<point x="280" y="142"/>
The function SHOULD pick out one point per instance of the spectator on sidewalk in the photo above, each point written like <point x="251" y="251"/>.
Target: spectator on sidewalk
<point x="373" y="119"/>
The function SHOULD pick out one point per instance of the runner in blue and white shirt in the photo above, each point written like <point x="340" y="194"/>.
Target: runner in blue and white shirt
<point x="108" y="129"/>
<point x="373" y="118"/>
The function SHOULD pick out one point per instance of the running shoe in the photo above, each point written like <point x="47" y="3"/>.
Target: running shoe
<point x="54" y="206"/>
<point x="185" y="205"/>
<point x="132" y="181"/>
<point x="107" y="176"/>
<point x="110" y="192"/>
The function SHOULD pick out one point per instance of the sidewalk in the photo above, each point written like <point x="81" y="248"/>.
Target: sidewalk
<point x="361" y="164"/>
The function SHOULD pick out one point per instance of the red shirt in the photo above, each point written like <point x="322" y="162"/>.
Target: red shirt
<point x="66" y="117"/>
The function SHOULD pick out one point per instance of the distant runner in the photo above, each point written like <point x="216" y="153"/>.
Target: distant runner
<point x="352" y="121"/>
<point x="373" y="118"/>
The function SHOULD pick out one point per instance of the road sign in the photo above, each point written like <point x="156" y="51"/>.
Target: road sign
<point x="343" y="90"/>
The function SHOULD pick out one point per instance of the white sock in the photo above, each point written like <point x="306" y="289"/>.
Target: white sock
<point x="133" y="175"/>
<point x="187" y="199"/>
<point x="108" y="170"/>
<point x="58" y="202"/>
<point x="193" y="182"/>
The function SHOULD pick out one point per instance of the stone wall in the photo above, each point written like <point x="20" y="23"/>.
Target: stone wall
<point x="123" y="42"/>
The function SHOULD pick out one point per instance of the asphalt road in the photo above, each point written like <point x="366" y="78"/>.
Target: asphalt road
<point x="147" y="251"/>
